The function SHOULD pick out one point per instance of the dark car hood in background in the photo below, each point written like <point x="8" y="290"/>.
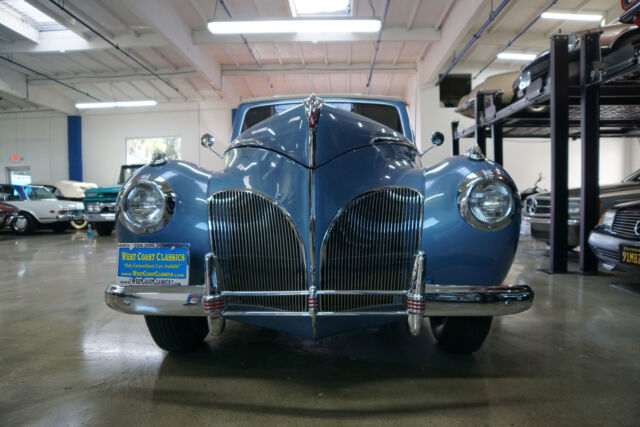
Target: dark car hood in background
<point x="338" y="131"/>
<point x="605" y="190"/>
<point x="7" y="208"/>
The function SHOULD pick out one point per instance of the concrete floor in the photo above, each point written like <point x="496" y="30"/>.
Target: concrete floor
<point x="66" y="359"/>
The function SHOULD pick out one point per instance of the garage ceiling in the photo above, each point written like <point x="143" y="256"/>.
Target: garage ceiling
<point x="170" y="38"/>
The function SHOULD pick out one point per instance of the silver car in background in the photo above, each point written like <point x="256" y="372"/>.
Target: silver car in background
<point x="536" y="221"/>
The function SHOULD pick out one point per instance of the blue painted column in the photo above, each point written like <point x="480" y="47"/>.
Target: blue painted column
<point x="74" y="147"/>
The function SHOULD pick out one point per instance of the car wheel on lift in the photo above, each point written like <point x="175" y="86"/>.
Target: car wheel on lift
<point x="25" y="225"/>
<point x="177" y="334"/>
<point x="460" y="335"/>
<point x="104" y="228"/>
<point x="79" y="224"/>
<point x="59" y="227"/>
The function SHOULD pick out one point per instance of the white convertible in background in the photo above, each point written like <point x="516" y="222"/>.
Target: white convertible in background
<point x="40" y="208"/>
<point x="71" y="190"/>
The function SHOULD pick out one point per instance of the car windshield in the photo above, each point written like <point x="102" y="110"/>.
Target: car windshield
<point x="39" y="193"/>
<point x="126" y="171"/>
<point x="386" y="114"/>
<point x="9" y="194"/>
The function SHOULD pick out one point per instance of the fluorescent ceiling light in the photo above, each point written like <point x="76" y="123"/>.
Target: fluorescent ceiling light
<point x="516" y="56"/>
<point x="295" y="26"/>
<point x="116" y="104"/>
<point x="320" y="7"/>
<point x="572" y="16"/>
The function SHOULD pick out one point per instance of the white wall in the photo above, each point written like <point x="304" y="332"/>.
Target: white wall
<point x="104" y="134"/>
<point x="40" y="138"/>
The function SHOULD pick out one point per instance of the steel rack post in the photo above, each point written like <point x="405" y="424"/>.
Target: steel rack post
<point x="481" y="136"/>
<point x="455" y="140"/>
<point x="559" y="69"/>
<point x="496" y="131"/>
<point x="589" y="134"/>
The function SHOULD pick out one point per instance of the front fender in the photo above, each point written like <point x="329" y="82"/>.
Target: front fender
<point x="456" y="252"/>
<point x="189" y="223"/>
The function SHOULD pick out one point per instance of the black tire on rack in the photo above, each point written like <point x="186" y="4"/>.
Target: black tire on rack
<point x="177" y="334"/>
<point x="460" y="335"/>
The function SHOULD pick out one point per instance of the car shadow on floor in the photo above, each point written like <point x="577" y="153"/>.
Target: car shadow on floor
<point x="427" y="378"/>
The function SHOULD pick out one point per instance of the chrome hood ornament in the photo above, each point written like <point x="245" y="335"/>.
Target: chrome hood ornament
<point x="474" y="153"/>
<point x="312" y="108"/>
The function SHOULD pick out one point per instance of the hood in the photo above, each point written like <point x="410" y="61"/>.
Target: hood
<point x="336" y="132"/>
<point x="605" y="190"/>
<point x="103" y="191"/>
<point x="7" y="208"/>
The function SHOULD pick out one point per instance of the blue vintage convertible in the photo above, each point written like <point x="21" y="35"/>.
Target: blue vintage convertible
<point x="323" y="220"/>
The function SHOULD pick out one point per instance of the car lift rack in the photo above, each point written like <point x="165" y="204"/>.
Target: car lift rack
<point x="606" y="103"/>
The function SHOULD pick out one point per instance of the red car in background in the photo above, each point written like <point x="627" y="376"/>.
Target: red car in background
<point x="10" y="217"/>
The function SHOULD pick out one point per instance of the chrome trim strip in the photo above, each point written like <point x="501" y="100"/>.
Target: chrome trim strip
<point x="440" y="300"/>
<point x="101" y="217"/>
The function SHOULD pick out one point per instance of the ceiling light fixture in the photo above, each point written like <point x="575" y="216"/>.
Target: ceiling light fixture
<point x="115" y="104"/>
<point x="295" y="26"/>
<point x="516" y="56"/>
<point x="571" y="16"/>
<point x="324" y="7"/>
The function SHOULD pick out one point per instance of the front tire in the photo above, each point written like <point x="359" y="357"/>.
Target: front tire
<point x="177" y="334"/>
<point x="460" y="335"/>
<point x="104" y="228"/>
<point x="27" y="225"/>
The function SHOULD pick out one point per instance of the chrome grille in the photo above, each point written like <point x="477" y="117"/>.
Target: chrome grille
<point x="258" y="249"/>
<point x="626" y="223"/>
<point x="534" y="206"/>
<point x="370" y="246"/>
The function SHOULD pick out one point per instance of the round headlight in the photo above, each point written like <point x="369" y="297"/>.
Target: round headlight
<point x="490" y="201"/>
<point x="525" y="81"/>
<point x="487" y="200"/>
<point x="145" y="207"/>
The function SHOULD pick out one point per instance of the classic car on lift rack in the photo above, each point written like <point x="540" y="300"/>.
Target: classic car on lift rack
<point x="324" y="220"/>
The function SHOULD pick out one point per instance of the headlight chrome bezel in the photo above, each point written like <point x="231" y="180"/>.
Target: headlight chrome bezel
<point x="468" y="185"/>
<point x="157" y="184"/>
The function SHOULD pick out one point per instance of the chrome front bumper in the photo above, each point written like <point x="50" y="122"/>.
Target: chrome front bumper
<point x="100" y="217"/>
<point x="71" y="216"/>
<point x="439" y="300"/>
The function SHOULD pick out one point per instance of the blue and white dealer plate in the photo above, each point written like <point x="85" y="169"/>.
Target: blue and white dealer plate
<point x="153" y="263"/>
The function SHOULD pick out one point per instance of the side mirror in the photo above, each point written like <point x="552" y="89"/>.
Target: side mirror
<point x="207" y="140"/>
<point x="437" y="138"/>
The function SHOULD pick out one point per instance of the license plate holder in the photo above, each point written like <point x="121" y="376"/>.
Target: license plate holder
<point x="525" y="227"/>
<point x="629" y="254"/>
<point x="161" y="264"/>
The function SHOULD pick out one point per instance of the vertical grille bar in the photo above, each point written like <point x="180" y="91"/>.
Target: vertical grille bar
<point x="258" y="249"/>
<point x="370" y="246"/>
